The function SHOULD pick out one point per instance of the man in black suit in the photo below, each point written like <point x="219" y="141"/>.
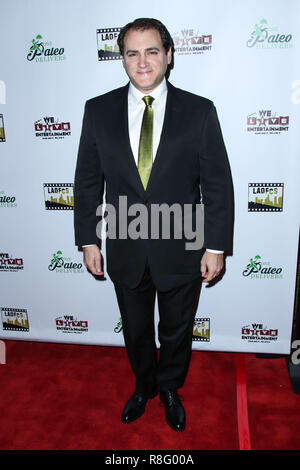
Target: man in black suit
<point x="156" y="145"/>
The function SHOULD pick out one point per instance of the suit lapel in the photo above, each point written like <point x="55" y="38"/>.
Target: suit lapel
<point x="124" y="142"/>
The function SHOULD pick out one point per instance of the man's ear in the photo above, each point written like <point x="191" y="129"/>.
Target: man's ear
<point x="169" y="55"/>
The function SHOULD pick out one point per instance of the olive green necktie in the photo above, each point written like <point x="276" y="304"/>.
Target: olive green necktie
<point x="146" y="142"/>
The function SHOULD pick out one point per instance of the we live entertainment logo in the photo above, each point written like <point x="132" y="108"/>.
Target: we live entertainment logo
<point x="266" y="121"/>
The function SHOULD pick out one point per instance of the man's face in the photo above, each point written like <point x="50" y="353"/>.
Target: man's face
<point x="145" y="59"/>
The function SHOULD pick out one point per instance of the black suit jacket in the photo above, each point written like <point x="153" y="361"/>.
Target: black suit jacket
<point x="191" y="154"/>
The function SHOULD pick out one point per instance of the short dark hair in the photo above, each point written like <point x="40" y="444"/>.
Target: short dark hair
<point x="149" y="23"/>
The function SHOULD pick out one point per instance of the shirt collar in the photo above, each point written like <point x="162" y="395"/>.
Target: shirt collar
<point x="135" y="95"/>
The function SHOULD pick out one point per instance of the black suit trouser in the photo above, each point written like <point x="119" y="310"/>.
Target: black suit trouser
<point x="176" y="307"/>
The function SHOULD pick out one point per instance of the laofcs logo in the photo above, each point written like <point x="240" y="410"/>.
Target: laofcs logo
<point x="2" y="133"/>
<point x="267" y="122"/>
<point x="108" y="48"/>
<point x="258" y="269"/>
<point x="62" y="264"/>
<point x="14" y="319"/>
<point x="42" y="51"/>
<point x="201" y="329"/>
<point x="264" y="37"/>
<point x="265" y="197"/>
<point x="51" y="128"/>
<point x="257" y="333"/>
<point x="190" y="41"/>
<point x="59" y="196"/>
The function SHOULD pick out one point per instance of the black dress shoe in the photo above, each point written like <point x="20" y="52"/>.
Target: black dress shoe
<point x="175" y="414"/>
<point x="135" y="406"/>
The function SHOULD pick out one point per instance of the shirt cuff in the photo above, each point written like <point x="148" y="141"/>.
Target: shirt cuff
<point x="215" y="251"/>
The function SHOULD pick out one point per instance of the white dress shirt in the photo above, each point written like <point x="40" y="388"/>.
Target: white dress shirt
<point x="136" y="108"/>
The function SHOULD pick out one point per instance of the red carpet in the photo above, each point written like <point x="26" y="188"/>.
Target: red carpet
<point x="70" y="397"/>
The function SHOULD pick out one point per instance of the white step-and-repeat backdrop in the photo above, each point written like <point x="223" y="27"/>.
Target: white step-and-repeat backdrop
<point x="53" y="57"/>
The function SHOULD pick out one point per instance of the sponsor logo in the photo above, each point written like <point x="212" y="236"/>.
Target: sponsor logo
<point x="44" y="51"/>
<point x="257" y="333"/>
<point x="267" y="122"/>
<point x="7" y="201"/>
<point x="14" y="319"/>
<point x="108" y="48"/>
<point x="265" y="197"/>
<point x="119" y="327"/>
<point x="62" y="264"/>
<point x="10" y="263"/>
<point x="51" y="128"/>
<point x="2" y="132"/>
<point x="58" y="196"/>
<point x="258" y="269"/>
<point x="201" y="329"/>
<point x="71" y="324"/>
<point x="191" y="41"/>
<point x="265" y="37"/>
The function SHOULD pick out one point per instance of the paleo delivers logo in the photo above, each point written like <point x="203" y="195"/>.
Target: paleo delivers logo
<point x="42" y="51"/>
<point x="61" y="264"/>
<point x="264" y="37"/>
<point x="7" y="201"/>
<point x="258" y="269"/>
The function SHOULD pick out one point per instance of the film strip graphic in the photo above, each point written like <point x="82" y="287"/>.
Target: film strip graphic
<point x="201" y="329"/>
<point x="2" y="132"/>
<point x="14" y="319"/>
<point x="265" y="197"/>
<point x="58" y="196"/>
<point x="107" y="44"/>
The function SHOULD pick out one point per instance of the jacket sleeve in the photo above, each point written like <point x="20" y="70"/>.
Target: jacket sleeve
<point x="88" y="184"/>
<point x="216" y="185"/>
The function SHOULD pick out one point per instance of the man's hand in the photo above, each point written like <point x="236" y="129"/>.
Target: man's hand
<point x="211" y="265"/>
<point x="92" y="259"/>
